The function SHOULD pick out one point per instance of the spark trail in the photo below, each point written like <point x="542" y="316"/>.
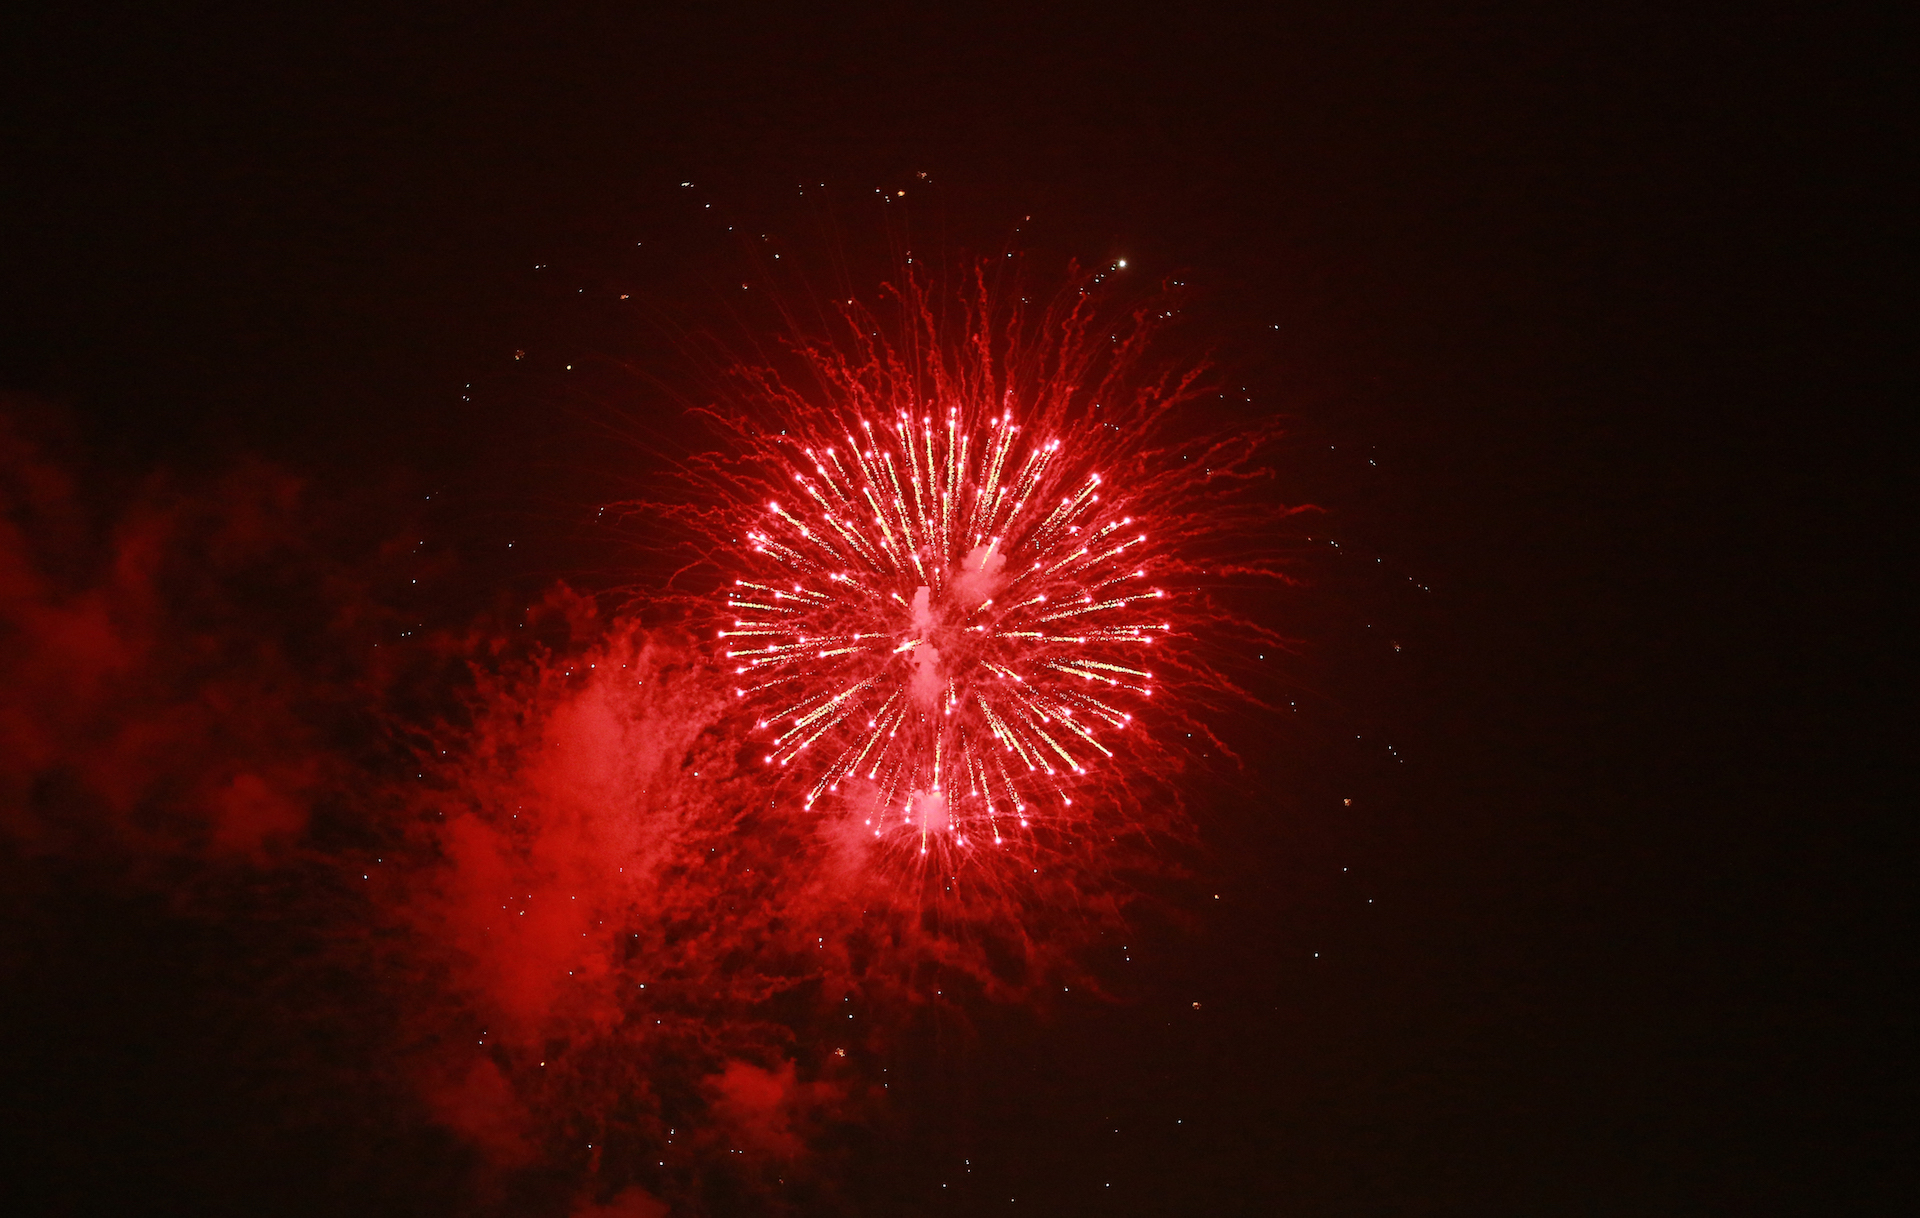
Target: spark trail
<point x="965" y="561"/>
<point x="899" y="643"/>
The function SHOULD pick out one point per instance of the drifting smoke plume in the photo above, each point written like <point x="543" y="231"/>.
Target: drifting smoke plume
<point x="615" y="915"/>
<point x="520" y="855"/>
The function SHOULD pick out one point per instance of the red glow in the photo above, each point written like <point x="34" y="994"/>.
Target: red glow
<point x="547" y="845"/>
<point x="962" y="549"/>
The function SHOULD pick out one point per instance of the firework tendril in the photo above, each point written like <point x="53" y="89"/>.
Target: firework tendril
<point x="968" y="565"/>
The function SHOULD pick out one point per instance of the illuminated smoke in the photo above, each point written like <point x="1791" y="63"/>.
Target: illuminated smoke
<point x="976" y="642"/>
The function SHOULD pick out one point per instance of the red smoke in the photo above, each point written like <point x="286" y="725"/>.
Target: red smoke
<point x="531" y="849"/>
<point x="575" y="928"/>
<point x="142" y="699"/>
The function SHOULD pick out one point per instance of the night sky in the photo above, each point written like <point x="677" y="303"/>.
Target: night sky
<point x="1559" y="879"/>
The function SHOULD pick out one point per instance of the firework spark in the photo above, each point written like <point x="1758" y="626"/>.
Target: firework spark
<point x="905" y="647"/>
<point x="964" y="554"/>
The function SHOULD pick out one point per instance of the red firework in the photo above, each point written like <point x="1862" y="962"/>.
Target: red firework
<point x="986" y="672"/>
<point x="967" y="558"/>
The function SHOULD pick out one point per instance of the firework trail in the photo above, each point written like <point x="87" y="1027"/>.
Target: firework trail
<point x="966" y="560"/>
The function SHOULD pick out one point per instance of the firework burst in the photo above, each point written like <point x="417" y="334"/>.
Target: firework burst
<point x="965" y="562"/>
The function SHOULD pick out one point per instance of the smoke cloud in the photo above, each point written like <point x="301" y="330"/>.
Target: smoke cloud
<point x="522" y="845"/>
<point x="517" y="873"/>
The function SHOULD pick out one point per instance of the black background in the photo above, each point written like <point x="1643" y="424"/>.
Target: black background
<point x="1581" y="317"/>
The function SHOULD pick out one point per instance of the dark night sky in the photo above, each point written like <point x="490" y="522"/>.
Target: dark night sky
<point x="1588" y="312"/>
